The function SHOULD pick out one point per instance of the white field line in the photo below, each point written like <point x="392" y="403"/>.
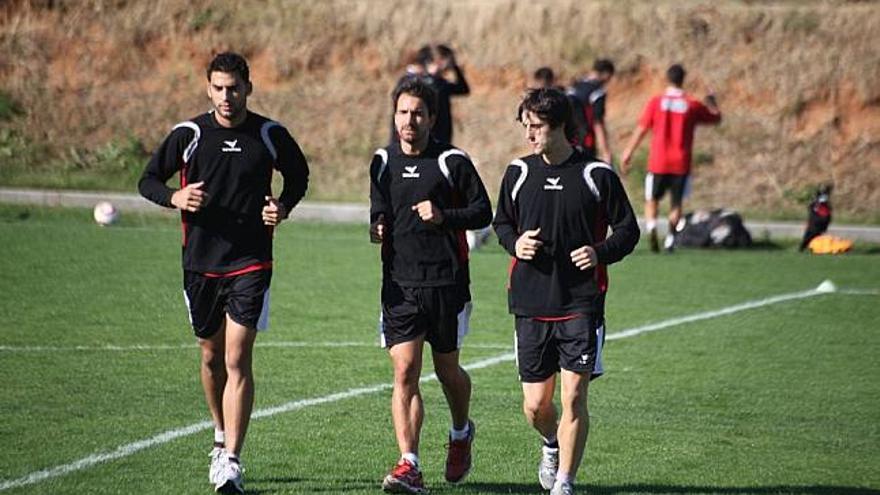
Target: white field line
<point x="165" y="437"/>
<point x="860" y="292"/>
<point x="824" y="288"/>
<point x="174" y="347"/>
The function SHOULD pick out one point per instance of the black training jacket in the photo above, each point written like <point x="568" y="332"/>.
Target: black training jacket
<point x="573" y="203"/>
<point x="416" y="253"/>
<point x="236" y="165"/>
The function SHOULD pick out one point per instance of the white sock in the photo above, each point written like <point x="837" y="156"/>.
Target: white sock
<point x="460" y="434"/>
<point x="563" y="478"/>
<point x="219" y="436"/>
<point x="412" y="458"/>
<point x="651" y="225"/>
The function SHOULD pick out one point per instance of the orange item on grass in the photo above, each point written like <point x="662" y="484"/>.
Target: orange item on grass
<point x="828" y="244"/>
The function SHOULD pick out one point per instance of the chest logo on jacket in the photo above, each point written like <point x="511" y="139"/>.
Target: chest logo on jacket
<point x="231" y="146"/>
<point x="411" y="172"/>
<point x="553" y="184"/>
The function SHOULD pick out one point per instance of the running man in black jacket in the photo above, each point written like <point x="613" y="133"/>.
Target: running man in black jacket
<point x="424" y="194"/>
<point x="553" y="214"/>
<point x="225" y="159"/>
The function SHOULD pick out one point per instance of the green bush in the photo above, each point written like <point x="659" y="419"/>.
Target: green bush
<point x="8" y="107"/>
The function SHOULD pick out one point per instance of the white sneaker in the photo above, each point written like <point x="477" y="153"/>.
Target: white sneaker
<point x="669" y="243"/>
<point x="562" y="489"/>
<point x="229" y="479"/>
<point x="216" y="464"/>
<point x="548" y="466"/>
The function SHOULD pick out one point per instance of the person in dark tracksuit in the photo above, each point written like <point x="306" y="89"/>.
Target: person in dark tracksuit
<point x="553" y="213"/>
<point x="588" y="96"/>
<point x="424" y="194"/>
<point x="225" y="159"/>
<point x="432" y="63"/>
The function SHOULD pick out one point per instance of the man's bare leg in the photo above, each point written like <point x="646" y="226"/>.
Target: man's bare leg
<point x="238" y="396"/>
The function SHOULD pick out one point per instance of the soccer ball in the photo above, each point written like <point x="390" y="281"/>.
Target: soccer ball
<point x="105" y="213"/>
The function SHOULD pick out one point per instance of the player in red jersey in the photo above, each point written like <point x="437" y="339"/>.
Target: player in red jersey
<point x="672" y="118"/>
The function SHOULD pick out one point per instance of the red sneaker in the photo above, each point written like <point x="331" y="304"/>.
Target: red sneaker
<point x="404" y="478"/>
<point x="458" y="456"/>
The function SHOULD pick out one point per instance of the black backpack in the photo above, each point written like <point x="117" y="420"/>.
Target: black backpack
<point x="715" y="228"/>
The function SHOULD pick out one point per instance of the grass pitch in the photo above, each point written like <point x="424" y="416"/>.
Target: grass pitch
<point x="96" y="356"/>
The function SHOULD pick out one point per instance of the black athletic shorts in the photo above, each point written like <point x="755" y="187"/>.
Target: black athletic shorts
<point x="441" y="314"/>
<point x="545" y="347"/>
<point x="245" y="298"/>
<point x="656" y="186"/>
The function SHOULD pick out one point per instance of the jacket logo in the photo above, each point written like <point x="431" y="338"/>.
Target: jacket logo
<point x="411" y="172"/>
<point x="553" y="184"/>
<point x="231" y="146"/>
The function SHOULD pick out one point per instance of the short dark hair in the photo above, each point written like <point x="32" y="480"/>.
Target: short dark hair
<point x="425" y="55"/>
<point x="445" y="51"/>
<point x="604" y="66"/>
<point x="231" y="63"/>
<point x="545" y="75"/>
<point x="675" y="74"/>
<point x="418" y="87"/>
<point x="549" y="104"/>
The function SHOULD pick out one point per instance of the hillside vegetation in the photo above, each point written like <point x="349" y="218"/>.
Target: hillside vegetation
<point x="89" y="87"/>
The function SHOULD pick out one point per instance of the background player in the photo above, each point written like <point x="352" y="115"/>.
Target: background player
<point x="672" y="118"/>
<point x="589" y="96"/>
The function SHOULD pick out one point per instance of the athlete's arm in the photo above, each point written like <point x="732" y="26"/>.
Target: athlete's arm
<point x="505" y="224"/>
<point x="165" y="162"/>
<point x="603" y="149"/>
<point x="294" y="170"/>
<point x="708" y="113"/>
<point x="460" y="86"/>
<point x="646" y="122"/>
<point x="634" y="142"/>
<point x="476" y="212"/>
<point x="624" y="226"/>
<point x="379" y="203"/>
<point x="603" y="146"/>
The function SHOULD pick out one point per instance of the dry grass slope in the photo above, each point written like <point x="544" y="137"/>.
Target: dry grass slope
<point x="797" y="81"/>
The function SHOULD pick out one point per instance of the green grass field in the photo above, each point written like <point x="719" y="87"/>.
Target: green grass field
<point x="96" y="355"/>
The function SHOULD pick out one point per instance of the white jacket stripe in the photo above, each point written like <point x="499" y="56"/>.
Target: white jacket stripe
<point x="264" y="133"/>
<point x="441" y="160"/>
<point x="384" y="156"/>
<point x="191" y="147"/>
<point x="524" y="172"/>
<point x="588" y="178"/>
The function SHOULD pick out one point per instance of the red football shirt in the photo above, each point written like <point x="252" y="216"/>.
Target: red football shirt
<point x="672" y="118"/>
